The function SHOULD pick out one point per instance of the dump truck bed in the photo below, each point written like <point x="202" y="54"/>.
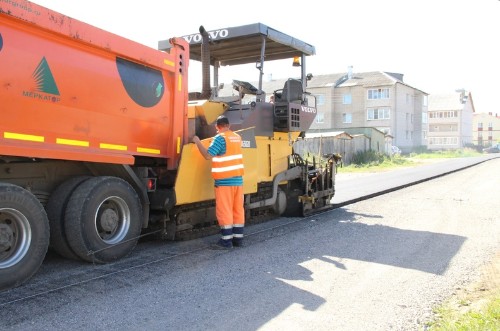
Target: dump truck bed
<point x="76" y="92"/>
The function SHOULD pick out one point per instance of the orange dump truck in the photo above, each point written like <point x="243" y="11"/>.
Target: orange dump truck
<point x="95" y="139"/>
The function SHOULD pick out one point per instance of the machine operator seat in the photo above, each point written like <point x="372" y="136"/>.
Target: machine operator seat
<point x="291" y="92"/>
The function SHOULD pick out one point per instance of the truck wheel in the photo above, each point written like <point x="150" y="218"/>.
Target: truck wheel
<point x="56" y="208"/>
<point x="103" y="219"/>
<point x="24" y="235"/>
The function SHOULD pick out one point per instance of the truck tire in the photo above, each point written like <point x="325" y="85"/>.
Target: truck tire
<point x="103" y="219"/>
<point x="24" y="235"/>
<point x="56" y="209"/>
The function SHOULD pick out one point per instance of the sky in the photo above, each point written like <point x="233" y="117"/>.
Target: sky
<point x="438" y="45"/>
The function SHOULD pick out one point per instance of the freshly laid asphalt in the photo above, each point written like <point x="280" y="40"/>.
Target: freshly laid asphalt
<point x="351" y="188"/>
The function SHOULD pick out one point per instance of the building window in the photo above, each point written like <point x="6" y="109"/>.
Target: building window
<point x="424" y="100"/>
<point x="424" y="134"/>
<point x="480" y="126"/>
<point x="346" y="118"/>
<point x="378" y="114"/>
<point x="320" y="117"/>
<point x="443" y="141"/>
<point x="347" y="99"/>
<point x="443" y="128"/>
<point x="381" y="93"/>
<point x="320" y="99"/>
<point x="444" y="114"/>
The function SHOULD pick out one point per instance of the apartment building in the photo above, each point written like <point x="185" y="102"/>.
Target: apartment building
<point x="485" y="129"/>
<point x="355" y="102"/>
<point x="450" y="120"/>
<point x="379" y="100"/>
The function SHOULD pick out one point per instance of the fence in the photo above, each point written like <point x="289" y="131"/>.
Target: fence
<point x="346" y="146"/>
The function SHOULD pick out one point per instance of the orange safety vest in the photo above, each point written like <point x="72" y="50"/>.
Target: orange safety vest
<point x="231" y="163"/>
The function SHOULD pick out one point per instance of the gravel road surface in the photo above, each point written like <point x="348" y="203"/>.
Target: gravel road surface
<point x="375" y="264"/>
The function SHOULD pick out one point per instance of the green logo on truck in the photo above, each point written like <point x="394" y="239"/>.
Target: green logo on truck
<point x="45" y="84"/>
<point x="44" y="80"/>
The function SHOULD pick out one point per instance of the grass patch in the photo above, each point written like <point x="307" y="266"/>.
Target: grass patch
<point x="374" y="162"/>
<point x="370" y="161"/>
<point x="466" y="152"/>
<point x="485" y="318"/>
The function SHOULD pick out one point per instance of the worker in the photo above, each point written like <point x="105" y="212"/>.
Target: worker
<point x="227" y="171"/>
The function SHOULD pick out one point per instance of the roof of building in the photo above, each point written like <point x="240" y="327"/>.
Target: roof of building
<point x="324" y="80"/>
<point x="337" y="134"/>
<point x="448" y="101"/>
<point x="363" y="79"/>
<point x="338" y="80"/>
<point x="487" y="115"/>
<point x="374" y="78"/>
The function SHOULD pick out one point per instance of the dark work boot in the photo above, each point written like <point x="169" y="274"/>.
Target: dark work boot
<point x="222" y="245"/>
<point x="238" y="242"/>
<point x="238" y="235"/>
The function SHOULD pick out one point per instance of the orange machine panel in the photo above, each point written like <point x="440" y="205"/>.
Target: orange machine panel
<point x="71" y="91"/>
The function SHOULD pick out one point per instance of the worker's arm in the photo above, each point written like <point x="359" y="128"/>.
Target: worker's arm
<point x="202" y="148"/>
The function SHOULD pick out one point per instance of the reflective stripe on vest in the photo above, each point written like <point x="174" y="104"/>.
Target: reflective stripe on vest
<point x="231" y="163"/>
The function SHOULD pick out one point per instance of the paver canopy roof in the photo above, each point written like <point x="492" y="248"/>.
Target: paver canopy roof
<point x="243" y="44"/>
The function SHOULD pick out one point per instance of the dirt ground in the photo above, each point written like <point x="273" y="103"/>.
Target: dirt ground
<point x="473" y="296"/>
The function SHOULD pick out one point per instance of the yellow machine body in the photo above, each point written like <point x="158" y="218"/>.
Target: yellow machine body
<point x="194" y="181"/>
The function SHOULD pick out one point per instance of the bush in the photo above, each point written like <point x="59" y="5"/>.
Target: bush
<point x="476" y="148"/>
<point x="368" y="158"/>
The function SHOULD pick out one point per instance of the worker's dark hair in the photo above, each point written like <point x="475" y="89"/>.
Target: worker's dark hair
<point x="222" y="120"/>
